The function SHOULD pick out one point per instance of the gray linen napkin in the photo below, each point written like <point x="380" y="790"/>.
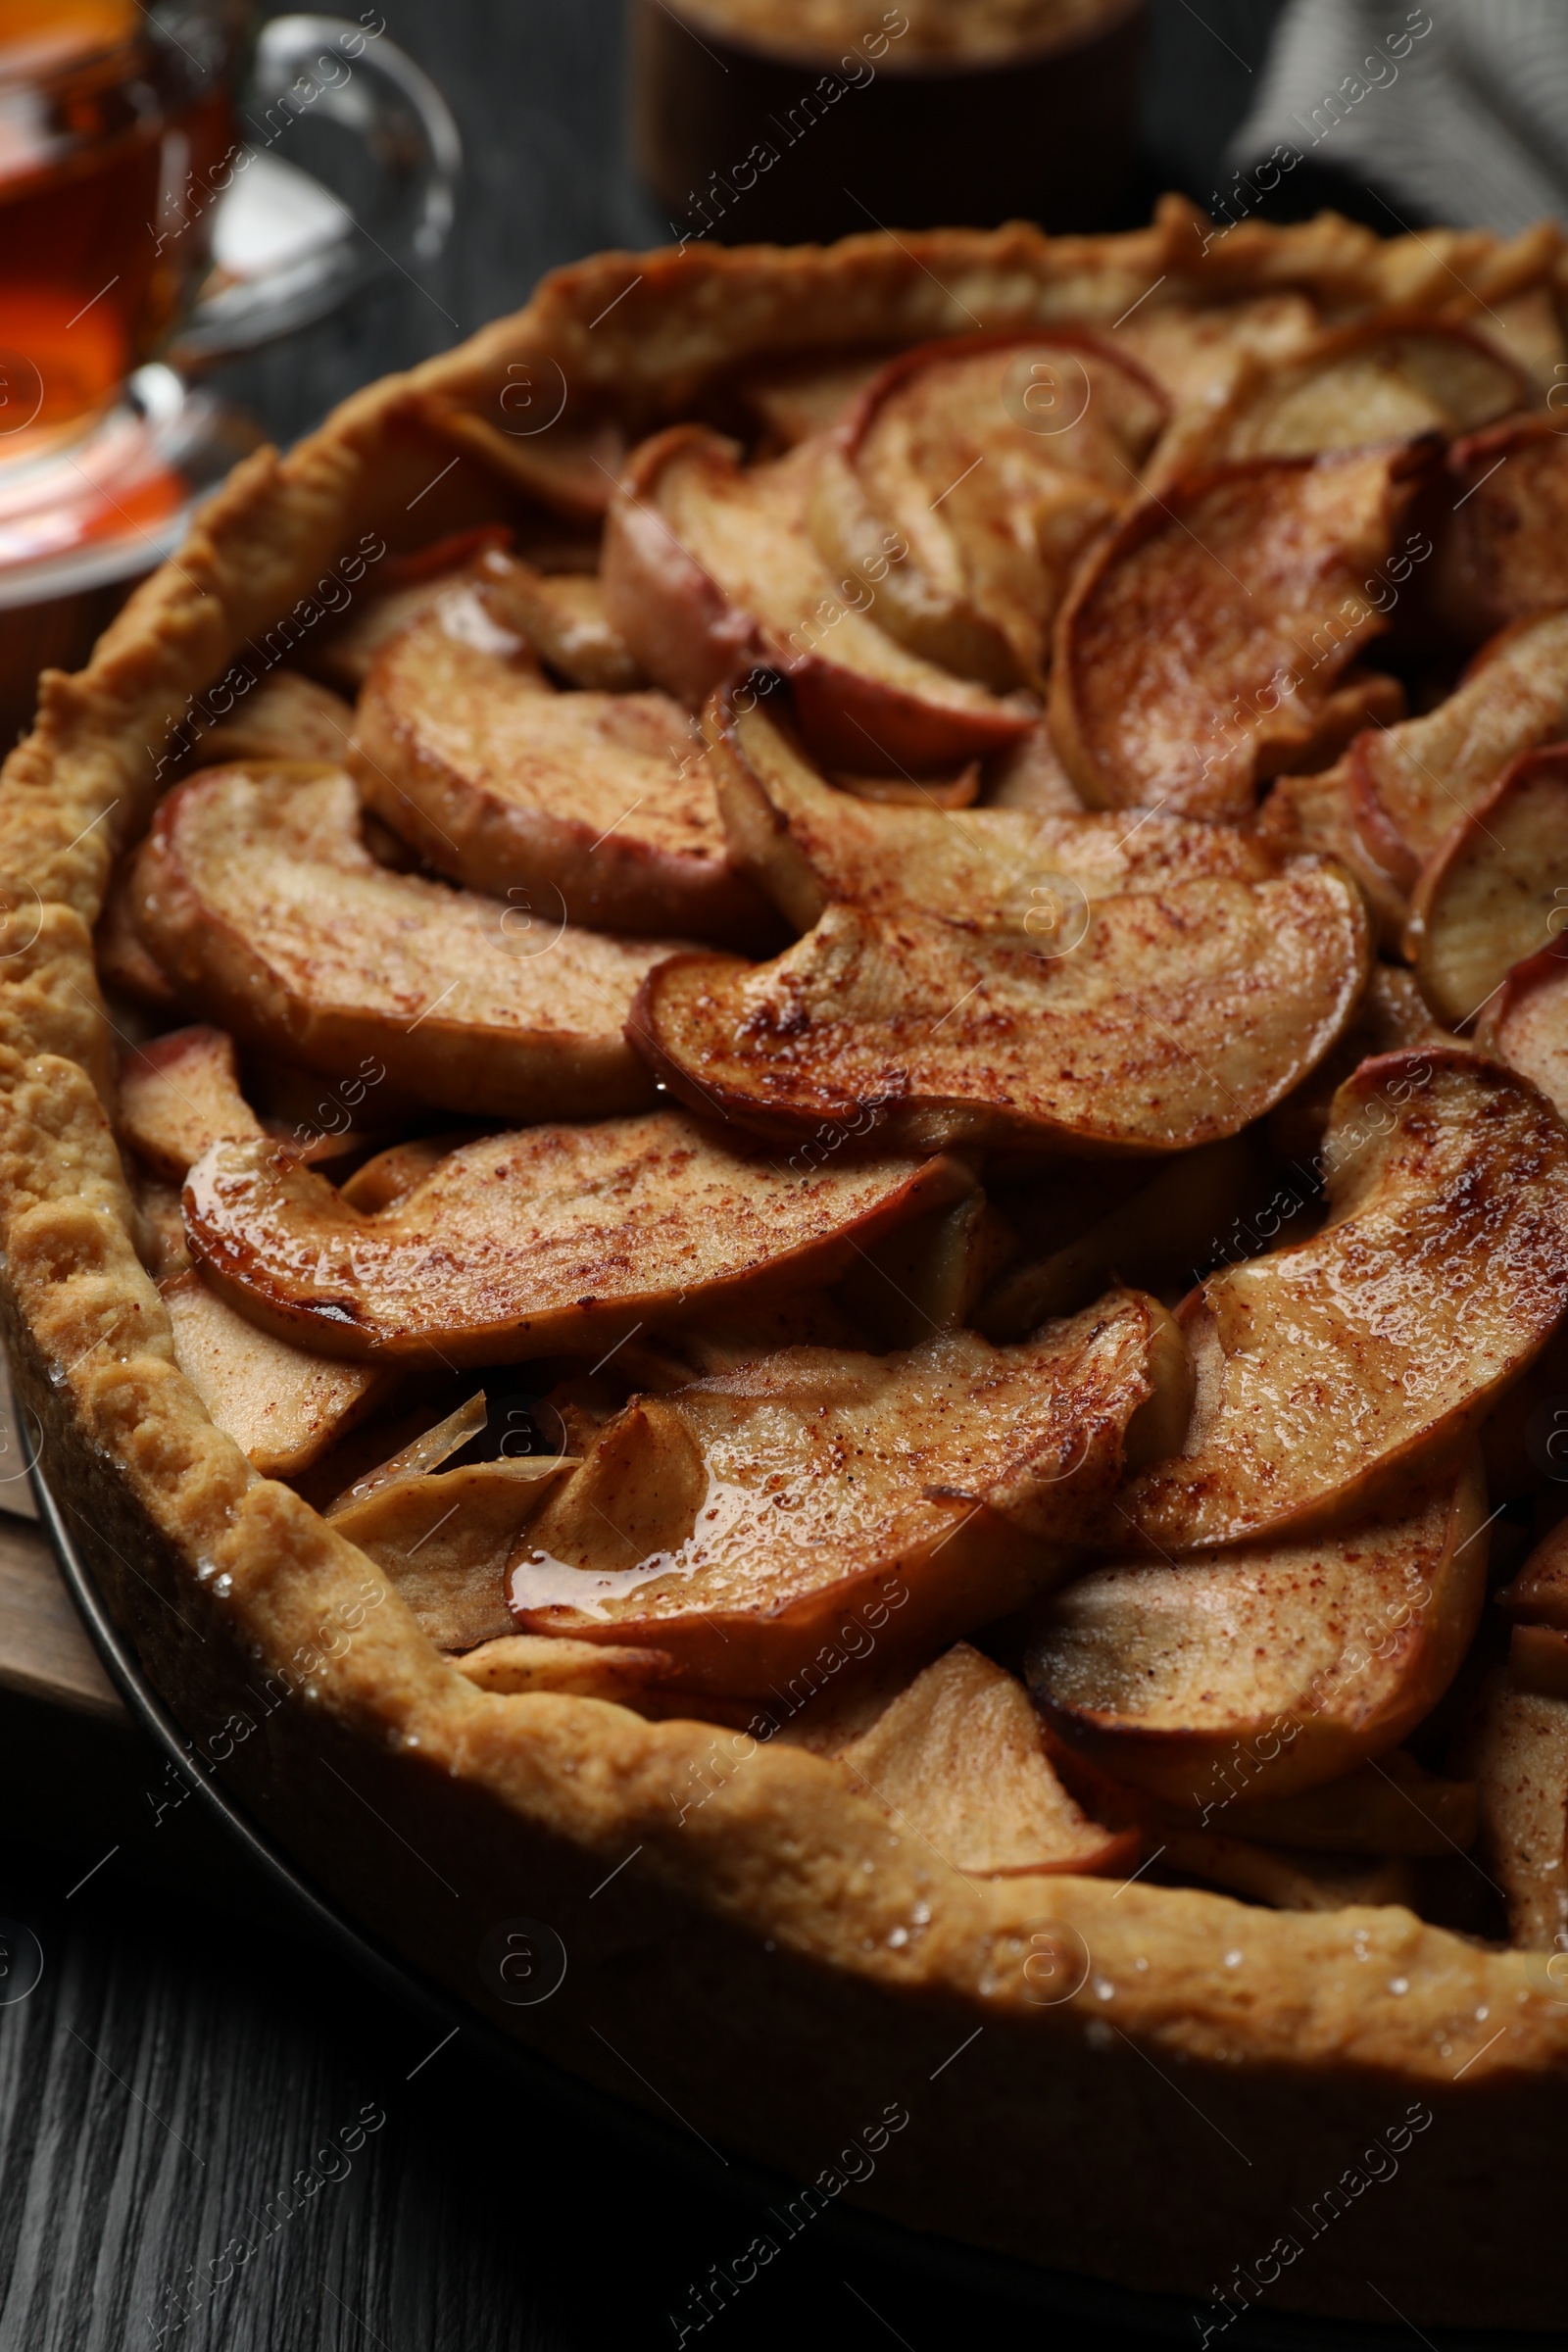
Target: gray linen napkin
<point x="1459" y="111"/>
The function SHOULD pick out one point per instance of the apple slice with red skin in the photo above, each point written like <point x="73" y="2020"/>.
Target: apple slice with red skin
<point x="405" y="586"/>
<point x="1502" y="538"/>
<point x="1526" y="1024"/>
<point x="994" y="459"/>
<point x="1441" y="1274"/>
<point x="257" y="894"/>
<point x="551" y="1239"/>
<point x="1175" y="1018"/>
<point x="1497" y="891"/>
<point x="740" y="1523"/>
<point x="988" y="870"/>
<point x="178" y="1094"/>
<point x="1266" y="1669"/>
<point x="282" y="1405"/>
<point x="589" y="805"/>
<point x="1410" y="784"/>
<point x="1392" y="798"/>
<point x="1205" y="643"/>
<point x="710" y="568"/>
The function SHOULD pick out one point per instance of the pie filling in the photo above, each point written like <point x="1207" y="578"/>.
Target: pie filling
<point x="914" y="1100"/>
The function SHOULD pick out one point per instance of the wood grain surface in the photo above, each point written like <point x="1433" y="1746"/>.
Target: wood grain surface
<point x="188" y="2064"/>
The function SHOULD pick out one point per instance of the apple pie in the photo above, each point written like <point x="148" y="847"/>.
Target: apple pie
<point x="784" y="1180"/>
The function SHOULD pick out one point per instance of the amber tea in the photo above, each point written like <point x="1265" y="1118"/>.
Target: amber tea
<point x="108" y="131"/>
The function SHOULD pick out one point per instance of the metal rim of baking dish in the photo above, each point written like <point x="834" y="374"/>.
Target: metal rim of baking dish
<point x="741" y="2182"/>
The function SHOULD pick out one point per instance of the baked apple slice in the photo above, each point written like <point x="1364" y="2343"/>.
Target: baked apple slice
<point x="258" y="898"/>
<point x="287" y="716"/>
<point x="988" y="870"/>
<point x="282" y="1405"/>
<point x="1252" y="1673"/>
<point x="561" y="615"/>
<point x="1526" y="1024"/>
<point x="1410" y="784"/>
<point x="176" y="1096"/>
<point x="796" y="399"/>
<point x="1539" y="1594"/>
<point x="1349" y="389"/>
<point x="1206" y="643"/>
<point x="1196" y="350"/>
<point x="1177" y="1017"/>
<point x="958" y="1760"/>
<point x="744" y="1522"/>
<point x="1391" y="1014"/>
<point x="442" y="1541"/>
<point x="710" y="566"/>
<point x="1495" y="893"/>
<point x="1441" y="1273"/>
<point x="403" y="587"/>
<point x="591" y="806"/>
<point x="516" y="1663"/>
<point x="1518" y="1751"/>
<point x="552" y="1239"/>
<point x="993" y="460"/>
<point x="1503" y="545"/>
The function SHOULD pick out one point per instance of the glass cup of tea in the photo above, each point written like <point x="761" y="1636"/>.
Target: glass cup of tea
<point x="125" y="132"/>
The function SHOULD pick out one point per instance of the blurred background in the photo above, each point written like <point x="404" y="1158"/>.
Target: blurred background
<point x="539" y="91"/>
<point x="186" y="2048"/>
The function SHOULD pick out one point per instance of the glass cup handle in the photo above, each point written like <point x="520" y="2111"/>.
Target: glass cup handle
<point x="286" y="249"/>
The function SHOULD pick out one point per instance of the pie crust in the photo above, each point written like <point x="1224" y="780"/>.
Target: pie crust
<point x="1155" y="2085"/>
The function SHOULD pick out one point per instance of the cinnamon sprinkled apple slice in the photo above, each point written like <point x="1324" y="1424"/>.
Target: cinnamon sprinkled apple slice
<point x="993" y="459"/>
<point x="1502" y="546"/>
<point x="1526" y="1024"/>
<point x="1410" y="784"/>
<point x="1252" y="1673"/>
<point x="1205" y="643"/>
<point x="710" y="567"/>
<point x="1494" y="892"/>
<point x="1165" y="1020"/>
<point x="260" y="900"/>
<point x="1333" y="1373"/>
<point x="988" y="870"/>
<point x="745" y="1521"/>
<point x="593" y="806"/>
<point x="554" y="1239"/>
<point x="282" y="1405"/>
<point x="176" y="1096"/>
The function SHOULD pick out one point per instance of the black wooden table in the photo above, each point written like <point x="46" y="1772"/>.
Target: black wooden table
<point x="168" y="2089"/>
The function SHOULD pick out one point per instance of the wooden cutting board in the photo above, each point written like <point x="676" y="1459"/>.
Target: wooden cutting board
<point x="44" y="1653"/>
